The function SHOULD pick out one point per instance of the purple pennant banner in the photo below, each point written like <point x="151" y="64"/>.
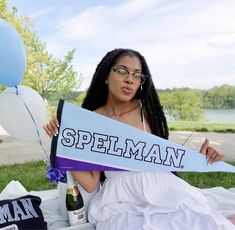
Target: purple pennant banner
<point x="88" y="141"/>
<point x="69" y="164"/>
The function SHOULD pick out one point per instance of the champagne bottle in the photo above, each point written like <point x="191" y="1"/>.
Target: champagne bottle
<point x="74" y="202"/>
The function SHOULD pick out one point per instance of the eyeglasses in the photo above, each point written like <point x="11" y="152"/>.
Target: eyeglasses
<point x="123" y="74"/>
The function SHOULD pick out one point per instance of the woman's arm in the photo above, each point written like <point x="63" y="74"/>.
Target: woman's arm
<point x="88" y="180"/>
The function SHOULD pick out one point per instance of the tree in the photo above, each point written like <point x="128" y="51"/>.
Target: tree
<point x="53" y="76"/>
<point x="44" y="73"/>
<point x="219" y="97"/>
<point x="182" y="104"/>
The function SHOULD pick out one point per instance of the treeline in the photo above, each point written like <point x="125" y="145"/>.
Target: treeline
<point x="185" y="103"/>
<point x="189" y="104"/>
<point x="218" y="97"/>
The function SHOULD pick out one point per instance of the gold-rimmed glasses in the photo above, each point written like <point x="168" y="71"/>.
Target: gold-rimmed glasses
<point x="123" y="74"/>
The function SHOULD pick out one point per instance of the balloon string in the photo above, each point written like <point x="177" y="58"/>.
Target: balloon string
<point x="40" y="140"/>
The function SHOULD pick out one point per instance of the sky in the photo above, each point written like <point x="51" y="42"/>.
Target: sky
<point x="186" y="43"/>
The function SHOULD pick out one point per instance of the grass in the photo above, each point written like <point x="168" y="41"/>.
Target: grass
<point x="32" y="176"/>
<point x="201" y="126"/>
<point x="210" y="179"/>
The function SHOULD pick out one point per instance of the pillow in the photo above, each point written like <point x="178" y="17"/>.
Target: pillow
<point x="22" y="213"/>
<point x="13" y="189"/>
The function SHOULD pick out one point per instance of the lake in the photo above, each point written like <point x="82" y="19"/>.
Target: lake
<point x="220" y="115"/>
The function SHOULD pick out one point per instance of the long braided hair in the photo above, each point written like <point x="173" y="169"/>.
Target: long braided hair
<point x="97" y="93"/>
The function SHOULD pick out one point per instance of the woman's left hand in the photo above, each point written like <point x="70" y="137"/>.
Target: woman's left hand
<point x="212" y="155"/>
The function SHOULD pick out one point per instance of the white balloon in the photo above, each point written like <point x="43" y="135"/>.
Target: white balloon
<point x="23" y="115"/>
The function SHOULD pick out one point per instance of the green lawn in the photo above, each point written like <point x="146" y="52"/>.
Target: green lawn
<point x="197" y="126"/>
<point x="210" y="179"/>
<point x="32" y="176"/>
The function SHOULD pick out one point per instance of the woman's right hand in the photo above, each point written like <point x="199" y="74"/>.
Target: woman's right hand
<point x="51" y="127"/>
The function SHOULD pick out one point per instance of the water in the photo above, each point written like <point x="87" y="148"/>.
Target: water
<point x="220" y="115"/>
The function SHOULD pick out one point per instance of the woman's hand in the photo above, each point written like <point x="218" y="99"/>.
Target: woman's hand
<point x="51" y="127"/>
<point x="212" y="155"/>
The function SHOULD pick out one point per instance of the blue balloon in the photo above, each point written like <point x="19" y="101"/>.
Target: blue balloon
<point x="12" y="55"/>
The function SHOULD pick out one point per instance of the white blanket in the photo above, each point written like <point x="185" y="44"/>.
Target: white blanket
<point x="54" y="213"/>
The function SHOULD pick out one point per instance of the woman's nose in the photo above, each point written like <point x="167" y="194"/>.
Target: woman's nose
<point x="129" y="78"/>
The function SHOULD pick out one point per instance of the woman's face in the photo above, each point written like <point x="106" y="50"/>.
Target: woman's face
<point x="124" y="79"/>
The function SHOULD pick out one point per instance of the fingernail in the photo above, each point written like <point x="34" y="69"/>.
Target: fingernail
<point x="57" y="126"/>
<point x="55" y="134"/>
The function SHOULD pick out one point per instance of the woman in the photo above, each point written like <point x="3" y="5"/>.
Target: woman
<point x="122" y="89"/>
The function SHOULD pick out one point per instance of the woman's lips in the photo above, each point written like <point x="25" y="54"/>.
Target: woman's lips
<point x="127" y="90"/>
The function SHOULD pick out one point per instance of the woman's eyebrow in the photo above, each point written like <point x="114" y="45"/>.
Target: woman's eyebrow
<point x="123" y="66"/>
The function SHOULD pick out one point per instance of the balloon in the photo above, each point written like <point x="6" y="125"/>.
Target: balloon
<point x="12" y="55"/>
<point x="23" y="115"/>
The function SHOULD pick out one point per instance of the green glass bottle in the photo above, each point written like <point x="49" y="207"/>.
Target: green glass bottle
<point x="74" y="202"/>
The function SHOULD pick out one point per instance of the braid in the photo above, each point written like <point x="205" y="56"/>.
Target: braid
<point x="97" y="93"/>
<point x="157" y="117"/>
<point x="151" y="104"/>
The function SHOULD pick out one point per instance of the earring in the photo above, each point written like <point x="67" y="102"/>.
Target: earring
<point x="141" y="88"/>
<point x="106" y="81"/>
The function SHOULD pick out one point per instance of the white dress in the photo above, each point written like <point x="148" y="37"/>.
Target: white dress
<point x="152" y="201"/>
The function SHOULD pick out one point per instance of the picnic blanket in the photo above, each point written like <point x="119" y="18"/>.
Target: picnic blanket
<point x="54" y="212"/>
